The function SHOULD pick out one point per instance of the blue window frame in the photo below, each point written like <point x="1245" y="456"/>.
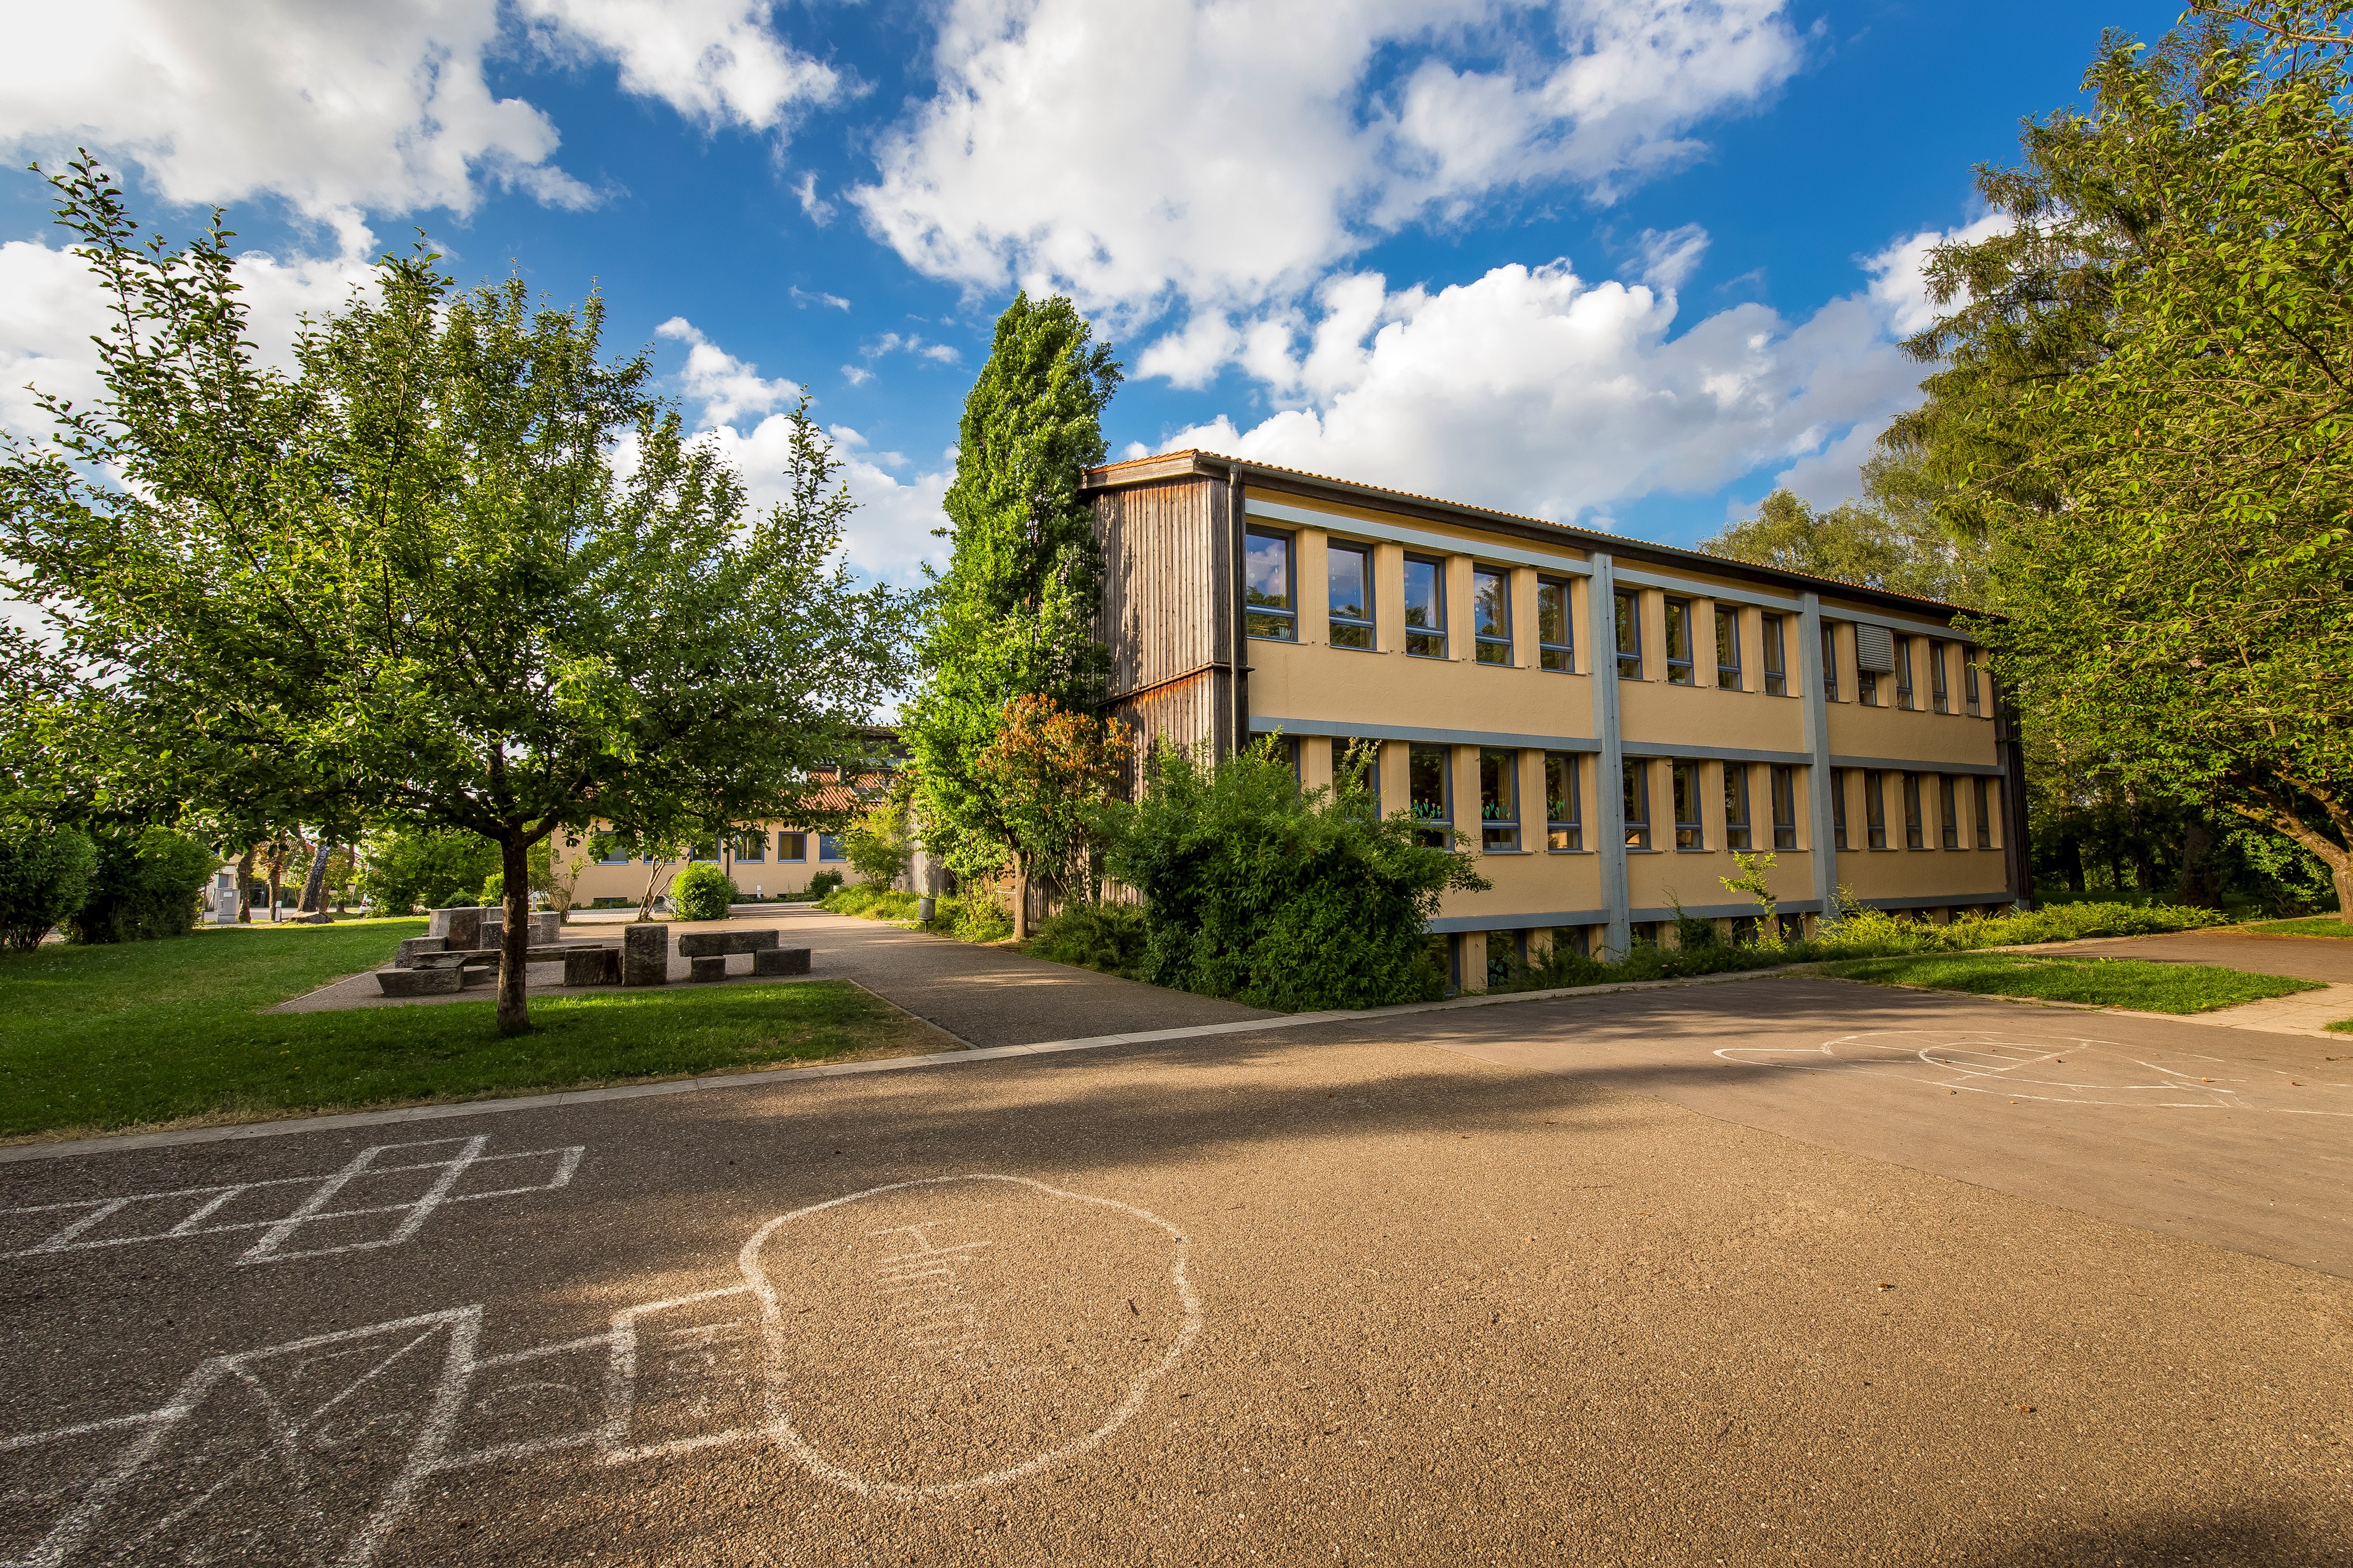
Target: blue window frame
<point x="829" y="848"/>
<point x="1425" y="607"/>
<point x="1274" y="610"/>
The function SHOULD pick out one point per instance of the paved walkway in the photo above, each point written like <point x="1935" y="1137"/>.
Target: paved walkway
<point x="2327" y="959"/>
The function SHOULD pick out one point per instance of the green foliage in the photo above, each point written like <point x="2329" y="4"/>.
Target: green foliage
<point x="144" y="888"/>
<point x="1109" y="936"/>
<point x="821" y="886"/>
<point x="541" y="860"/>
<point x="1043" y="786"/>
<point x="1891" y="539"/>
<point x="2137" y="984"/>
<point x="701" y="892"/>
<point x="402" y="869"/>
<point x="878" y="845"/>
<point x="45" y="878"/>
<point x="1755" y="879"/>
<point x="2321" y="927"/>
<point x="456" y="570"/>
<point x="2144" y="405"/>
<point x="871" y="902"/>
<point x="1015" y="610"/>
<point x="1278" y="898"/>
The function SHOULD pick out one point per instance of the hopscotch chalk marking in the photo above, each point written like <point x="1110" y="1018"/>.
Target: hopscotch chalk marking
<point x="199" y="1209"/>
<point x="459" y="1378"/>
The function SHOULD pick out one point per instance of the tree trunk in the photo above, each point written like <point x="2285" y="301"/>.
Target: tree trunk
<point x="245" y="887"/>
<point x="314" y="886"/>
<point x="514" y="940"/>
<point x="653" y="881"/>
<point x="2342" y="875"/>
<point x="1020" y="904"/>
<point x="2197" y="885"/>
<point x="277" y="879"/>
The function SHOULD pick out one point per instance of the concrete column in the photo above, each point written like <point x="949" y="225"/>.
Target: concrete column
<point x="1823" y="848"/>
<point x="1473" y="946"/>
<point x="1609" y="807"/>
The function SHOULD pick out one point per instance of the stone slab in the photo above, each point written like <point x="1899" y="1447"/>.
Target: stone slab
<point x="704" y="943"/>
<point x="420" y="982"/>
<point x="474" y="975"/>
<point x="546" y="928"/>
<point x="781" y="961"/>
<point x="459" y="927"/>
<point x="712" y="966"/>
<point x="591" y="966"/>
<point x="414" y="947"/>
<point x="645" y="953"/>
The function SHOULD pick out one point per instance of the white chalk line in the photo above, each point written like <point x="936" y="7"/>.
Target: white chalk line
<point x="313" y="1210"/>
<point x="430" y="1454"/>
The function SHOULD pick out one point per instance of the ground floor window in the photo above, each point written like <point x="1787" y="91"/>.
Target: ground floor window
<point x="751" y="848"/>
<point x="1430" y="792"/>
<point x="829" y="848"/>
<point x="1563" y="806"/>
<point x="1785" y="807"/>
<point x="1638" y="804"/>
<point x="1503" y="957"/>
<point x="792" y="846"/>
<point x="1499" y="801"/>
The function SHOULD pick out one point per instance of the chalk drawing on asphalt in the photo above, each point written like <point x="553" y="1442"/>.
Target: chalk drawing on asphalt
<point x="2061" y="1069"/>
<point x="319" y="1448"/>
<point x="373" y="1201"/>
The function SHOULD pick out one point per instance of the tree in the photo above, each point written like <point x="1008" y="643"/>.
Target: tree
<point x="877" y="843"/>
<point x="1015" y="611"/>
<point x="1891" y="539"/>
<point x="1043" y="787"/>
<point x="2145" y="406"/>
<point x="455" y="570"/>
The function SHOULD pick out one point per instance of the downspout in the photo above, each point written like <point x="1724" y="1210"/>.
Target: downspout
<point x="1238" y="525"/>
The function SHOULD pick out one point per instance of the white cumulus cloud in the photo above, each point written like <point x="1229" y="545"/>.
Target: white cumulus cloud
<point x="1228" y="152"/>
<point x="717" y="62"/>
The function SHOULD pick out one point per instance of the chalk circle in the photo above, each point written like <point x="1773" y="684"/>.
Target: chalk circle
<point x="934" y="1337"/>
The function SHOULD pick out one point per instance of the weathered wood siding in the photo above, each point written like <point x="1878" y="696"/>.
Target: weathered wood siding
<point x="1167" y="589"/>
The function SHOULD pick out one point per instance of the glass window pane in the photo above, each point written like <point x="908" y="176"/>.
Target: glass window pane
<point x="1499" y="799"/>
<point x="1679" y="642"/>
<point x="1349" y="572"/>
<point x="1913" y="836"/>
<point x="1629" y="636"/>
<point x="1777" y="665"/>
<point x="752" y="846"/>
<point x="1735" y="805"/>
<point x="1985" y="816"/>
<point x="1784" y="808"/>
<point x="1267" y="583"/>
<point x="1875" y="807"/>
<point x="1638" y="804"/>
<point x="1491" y="614"/>
<point x="1425" y="608"/>
<point x="1829" y="660"/>
<point x="1949" y="811"/>
<point x="1564" y="810"/>
<point x="1686" y="788"/>
<point x="829" y="848"/>
<point x="792" y="847"/>
<point x="1427" y="786"/>
<point x="1727" y="648"/>
<point x="1838" y="807"/>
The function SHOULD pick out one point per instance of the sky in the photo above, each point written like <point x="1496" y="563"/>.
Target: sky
<point x="1630" y="264"/>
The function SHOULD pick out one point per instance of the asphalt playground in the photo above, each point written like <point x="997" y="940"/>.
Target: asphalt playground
<point x="1773" y="1270"/>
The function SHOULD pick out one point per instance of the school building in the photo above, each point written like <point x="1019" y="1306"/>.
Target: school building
<point x="764" y="860"/>
<point x="1607" y="720"/>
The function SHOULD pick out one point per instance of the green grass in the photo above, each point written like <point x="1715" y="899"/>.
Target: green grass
<point x="2132" y="982"/>
<point x="2312" y="925"/>
<point x="106" y="1038"/>
<point x="2344" y="1028"/>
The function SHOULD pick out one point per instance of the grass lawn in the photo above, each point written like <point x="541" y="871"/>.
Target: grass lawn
<point x="2311" y="925"/>
<point x="95" y="1038"/>
<point x="2132" y="982"/>
<point x="2344" y="1028"/>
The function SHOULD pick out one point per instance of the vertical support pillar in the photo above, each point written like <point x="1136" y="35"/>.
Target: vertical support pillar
<point x="1817" y="747"/>
<point x="1610" y="788"/>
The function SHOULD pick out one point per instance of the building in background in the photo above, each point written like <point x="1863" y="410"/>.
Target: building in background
<point x="1606" y="720"/>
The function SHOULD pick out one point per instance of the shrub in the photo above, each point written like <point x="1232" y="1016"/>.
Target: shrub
<point x="44" y="876"/>
<point x="823" y="883"/>
<point x="406" y="868"/>
<point x="701" y="892"/>
<point x="871" y="901"/>
<point x="1282" y="897"/>
<point x="1109" y="936"/>
<point x="878" y="844"/>
<point x="144" y="887"/>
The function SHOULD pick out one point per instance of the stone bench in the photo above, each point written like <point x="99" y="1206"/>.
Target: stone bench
<point x="718" y="943"/>
<point x="474" y="957"/>
<point x="764" y="961"/>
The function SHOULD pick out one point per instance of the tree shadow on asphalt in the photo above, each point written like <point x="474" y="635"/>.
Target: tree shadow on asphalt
<point x="2239" y="1537"/>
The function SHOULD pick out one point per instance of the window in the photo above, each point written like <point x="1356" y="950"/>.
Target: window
<point x="1987" y="796"/>
<point x="1679" y="642"/>
<point x="752" y="846"/>
<point x="1949" y="808"/>
<point x="1348" y="570"/>
<point x="1362" y="760"/>
<point x="1688" y="834"/>
<point x="1499" y="801"/>
<point x="1630" y="634"/>
<point x="1838" y="808"/>
<point x="1969" y="657"/>
<point x="1638" y="804"/>
<point x="1776" y="663"/>
<point x="1293" y="754"/>
<point x="706" y="850"/>
<point x="1938" y="699"/>
<point x="1573" y="939"/>
<point x="1829" y="661"/>
<point x="1914" y="839"/>
<point x="1785" y="807"/>
<point x="1555" y="634"/>
<point x="1425" y="607"/>
<point x="1875" y="807"/>
<point x="792" y="846"/>
<point x="1502" y="957"/>
<point x="1430" y="791"/>
<point x="829" y="848"/>
<point x="1564" y="803"/>
<point x="1904" y="672"/>
<point x="1727" y="648"/>
<point x="611" y="849"/>
<point x="1735" y="805"/>
<point x="1866" y="682"/>
<point x="1491" y="614"/>
<point x="1267" y="587"/>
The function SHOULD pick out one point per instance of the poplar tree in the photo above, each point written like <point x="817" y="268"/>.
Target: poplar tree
<point x="1015" y="612"/>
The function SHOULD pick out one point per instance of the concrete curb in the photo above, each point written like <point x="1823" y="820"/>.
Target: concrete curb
<point x="129" y="1142"/>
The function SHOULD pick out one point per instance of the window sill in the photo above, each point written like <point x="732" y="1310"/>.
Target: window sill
<point x="1565" y="851"/>
<point x="1506" y="851"/>
<point x="1261" y="636"/>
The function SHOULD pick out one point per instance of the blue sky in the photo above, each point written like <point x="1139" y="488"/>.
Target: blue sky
<point x="1628" y="265"/>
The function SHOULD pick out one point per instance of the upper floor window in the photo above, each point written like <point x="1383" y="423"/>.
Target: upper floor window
<point x="1948" y="811"/>
<point x="1630" y="634"/>
<point x="1679" y="642"/>
<point x="1735" y="805"/>
<point x="1425" y="607"/>
<point x="1564" y="808"/>
<point x="1904" y="672"/>
<point x="1838" y="808"/>
<point x="1490" y="613"/>
<point x="1727" y="648"/>
<point x="1499" y="800"/>
<point x="1785" y="807"/>
<point x="1938" y="698"/>
<point x="1776" y="660"/>
<point x="1430" y="790"/>
<point x="1914" y="835"/>
<point x="1688" y="831"/>
<point x="1969" y="700"/>
<point x="1637" y="803"/>
<point x="1866" y="683"/>
<point x="1268" y="587"/>
<point x="1875" y="807"/>
<point x="1348" y="571"/>
<point x="1556" y="632"/>
<point x="1829" y="661"/>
